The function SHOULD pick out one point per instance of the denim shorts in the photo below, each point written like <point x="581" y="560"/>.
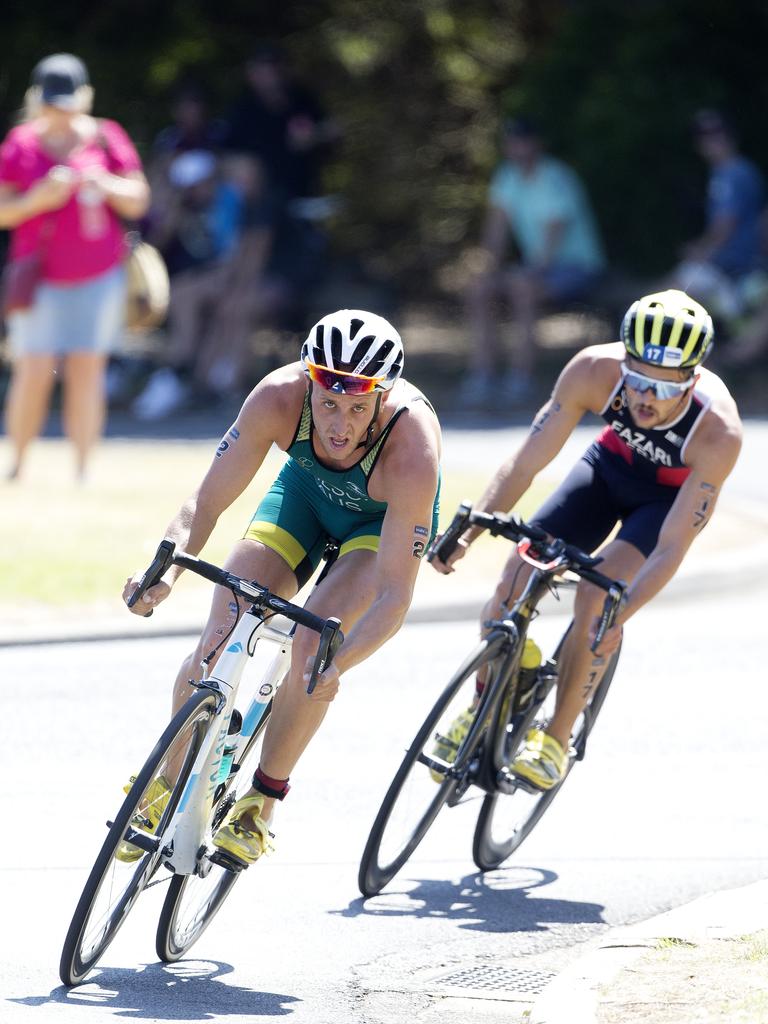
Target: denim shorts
<point x="87" y="317"/>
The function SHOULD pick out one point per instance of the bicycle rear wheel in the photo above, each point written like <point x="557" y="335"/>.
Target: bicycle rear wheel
<point x="506" y="819"/>
<point x="425" y="782"/>
<point x="192" y="901"/>
<point x="119" y="874"/>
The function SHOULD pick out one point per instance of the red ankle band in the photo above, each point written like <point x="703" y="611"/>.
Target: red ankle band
<point x="276" y="788"/>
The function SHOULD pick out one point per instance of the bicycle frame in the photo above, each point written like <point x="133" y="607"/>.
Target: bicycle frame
<point x="496" y="705"/>
<point x="185" y="844"/>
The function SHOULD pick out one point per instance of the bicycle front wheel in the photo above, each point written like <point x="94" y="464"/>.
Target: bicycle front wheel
<point x="123" y="868"/>
<point x="192" y="901"/>
<point x="433" y="772"/>
<point x="506" y="819"/>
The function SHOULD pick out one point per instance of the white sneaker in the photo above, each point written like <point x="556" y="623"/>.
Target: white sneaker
<point x="163" y="394"/>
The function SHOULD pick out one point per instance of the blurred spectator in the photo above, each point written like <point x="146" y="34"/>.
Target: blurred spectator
<point x="66" y="179"/>
<point x="197" y="230"/>
<point x="217" y="304"/>
<point x="748" y="346"/>
<point x="540" y="204"/>
<point x="282" y="123"/>
<point x="192" y="128"/>
<point x="192" y="125"/>
<point x="723" y="267"/>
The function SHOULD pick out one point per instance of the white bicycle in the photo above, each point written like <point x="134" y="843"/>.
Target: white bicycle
<point x="200" y="766"/>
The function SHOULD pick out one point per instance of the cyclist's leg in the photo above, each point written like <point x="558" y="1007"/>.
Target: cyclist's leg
<point x="580" y="671"/>
<point x="346" y="592"/>
<point x="282" y="546"/>
<point x="582" y="511"/>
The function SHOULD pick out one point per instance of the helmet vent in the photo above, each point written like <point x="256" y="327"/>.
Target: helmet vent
<point x="354" y="327"/>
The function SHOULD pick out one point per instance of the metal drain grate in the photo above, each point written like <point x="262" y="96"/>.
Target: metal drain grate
<point x="498" y="979"/>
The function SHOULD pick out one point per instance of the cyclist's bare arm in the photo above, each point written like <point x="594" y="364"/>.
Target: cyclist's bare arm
<point x="582" y="386"/>
<point x="268" y="417"/>
<point x="713" y="453"/>
<point x="407" y="481"/>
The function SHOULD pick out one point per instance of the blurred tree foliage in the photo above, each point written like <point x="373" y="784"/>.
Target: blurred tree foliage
<point x="419" y="88"/>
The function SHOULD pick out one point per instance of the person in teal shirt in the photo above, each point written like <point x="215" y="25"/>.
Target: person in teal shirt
<point x="539" y="204"/>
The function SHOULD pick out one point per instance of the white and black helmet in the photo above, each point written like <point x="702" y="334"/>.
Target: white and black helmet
<point x="357" y="342"/>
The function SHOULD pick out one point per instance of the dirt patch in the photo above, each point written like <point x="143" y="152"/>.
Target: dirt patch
<point x="718" y="981"/>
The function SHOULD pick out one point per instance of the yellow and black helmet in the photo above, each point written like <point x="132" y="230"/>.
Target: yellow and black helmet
<point x="667" y="329"/>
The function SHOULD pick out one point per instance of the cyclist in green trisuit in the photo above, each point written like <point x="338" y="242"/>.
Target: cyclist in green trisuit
<point x="363" y="449"/>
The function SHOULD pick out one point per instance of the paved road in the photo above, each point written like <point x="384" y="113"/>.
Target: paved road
<point x="664" y="808"/>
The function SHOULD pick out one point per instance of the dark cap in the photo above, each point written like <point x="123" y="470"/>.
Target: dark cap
<point x="710" y="122"/>
<point x="59" y="77"/>
<point x="522" y="127"/>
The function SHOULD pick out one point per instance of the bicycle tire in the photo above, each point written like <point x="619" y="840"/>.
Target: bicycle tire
<point x="180" y="924"/>
<point x="84" y="946"/>
<point x="488" y="850"/>
<point x="377" y="866"/>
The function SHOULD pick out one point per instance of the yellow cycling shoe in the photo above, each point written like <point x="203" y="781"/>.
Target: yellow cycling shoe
<point x="541" y="762"/>
<point x="447" y="747"/>
<point x="243" y="842"/>
<point x="151" y="810"/>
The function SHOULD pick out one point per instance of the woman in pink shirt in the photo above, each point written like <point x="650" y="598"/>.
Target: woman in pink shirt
<point x="66" y="180"/>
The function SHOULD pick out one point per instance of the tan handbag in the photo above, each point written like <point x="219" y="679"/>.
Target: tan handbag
<point x="148" y="285"/>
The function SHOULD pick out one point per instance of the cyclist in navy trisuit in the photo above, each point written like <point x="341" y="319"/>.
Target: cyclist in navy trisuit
<point x="671" y="438"/>
<point x="362" y="468"/>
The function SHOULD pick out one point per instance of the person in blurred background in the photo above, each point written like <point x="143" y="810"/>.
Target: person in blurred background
<point x="282" y="123"/>
<point x="197" y="229"/>
<point x="540" y="204"/>
<point x="192" y="127"/>
<point x="66" y="180"/>
<point x="723" y="266"/>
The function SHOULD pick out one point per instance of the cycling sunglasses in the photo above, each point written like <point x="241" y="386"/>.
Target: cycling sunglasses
<point x="342" y="383"/>
<point x="662" y="389"/>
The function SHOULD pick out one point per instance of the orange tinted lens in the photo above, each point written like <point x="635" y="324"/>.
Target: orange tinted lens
<point x="342" y="383"/>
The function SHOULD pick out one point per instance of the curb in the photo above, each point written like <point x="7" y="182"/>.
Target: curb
<point x="729" y="572"/>
<point x="573" y="997"/>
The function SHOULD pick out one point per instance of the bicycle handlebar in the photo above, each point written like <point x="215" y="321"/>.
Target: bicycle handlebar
<point x="561" y="555"/>
<point x="331" y="636"/>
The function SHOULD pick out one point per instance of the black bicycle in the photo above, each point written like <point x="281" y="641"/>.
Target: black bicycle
<point x="440" y="765"/>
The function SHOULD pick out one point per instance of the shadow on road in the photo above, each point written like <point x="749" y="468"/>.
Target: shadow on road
<point x="496" y="901"/>
<point x="187" y="990"/>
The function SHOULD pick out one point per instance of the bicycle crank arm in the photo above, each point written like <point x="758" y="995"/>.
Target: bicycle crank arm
<point x="508" y="783"/>
<point x="149" y="844"/>
<point x="436" y="766"/>
<point x="225" y="861"/>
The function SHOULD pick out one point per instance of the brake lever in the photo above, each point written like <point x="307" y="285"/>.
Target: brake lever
<point x="331" y="639"/>
<point x="611" y="606"/>
<point x="161" y="563"/>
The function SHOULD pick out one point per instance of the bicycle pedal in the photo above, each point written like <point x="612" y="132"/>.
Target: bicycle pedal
<point x="227" y="861"/>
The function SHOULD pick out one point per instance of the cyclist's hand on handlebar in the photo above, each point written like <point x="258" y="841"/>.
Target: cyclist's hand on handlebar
<point x="611" y="639"/>
<point x="150" y="599"/>
<point x="448" y="566"/>
<point x="327" y="685"/>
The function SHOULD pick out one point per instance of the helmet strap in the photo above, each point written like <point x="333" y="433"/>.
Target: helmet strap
<point x="368" y="439"/>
